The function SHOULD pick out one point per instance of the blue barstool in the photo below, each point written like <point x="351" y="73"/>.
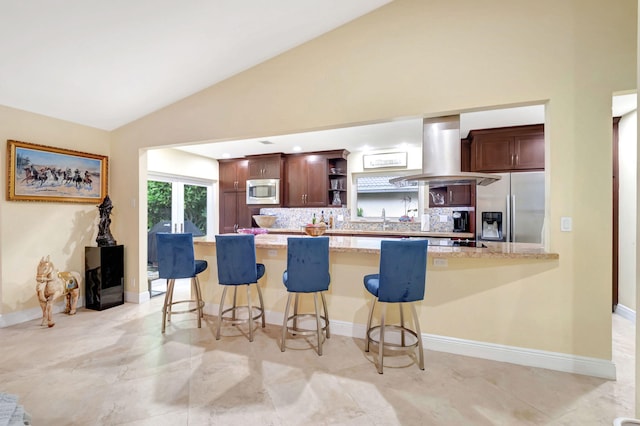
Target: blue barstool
<point x="403" y="269"/>
<point x="176" y="260"/>
<point x="236" y="257"/>
<point x="307" y="272"/>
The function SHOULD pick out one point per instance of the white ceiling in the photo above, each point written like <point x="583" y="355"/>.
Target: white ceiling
<point x="105" y="63"/>
<point x="389" y="135"/>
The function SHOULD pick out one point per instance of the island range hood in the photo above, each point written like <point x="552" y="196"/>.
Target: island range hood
<point x="441" y="154"/>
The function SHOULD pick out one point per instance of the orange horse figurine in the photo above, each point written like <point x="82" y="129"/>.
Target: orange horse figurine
<point x="52" y="284"/>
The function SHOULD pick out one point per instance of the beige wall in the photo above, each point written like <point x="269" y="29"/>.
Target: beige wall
<point x="410" y="58"/>
<point x="428" y="58"/>
<point x="628" y="165"/>
<point x="30" y="230"/>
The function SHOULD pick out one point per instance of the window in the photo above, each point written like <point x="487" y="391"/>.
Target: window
<point x="374" y="193"/>
<point x="177" y="204"/>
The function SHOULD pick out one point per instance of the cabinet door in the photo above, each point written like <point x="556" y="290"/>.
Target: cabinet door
<point x="228" y="212"/>
<point x="296" y="183"/>
<point x="267" y="167"/>
<point x="459" y="195"/>
<point x="244" y="212"/>
<point x="234" y="212"/>
<point x="491" y="153"/>
<point x="233" y="175"/>
<point x="317" y="195"/>
<point x="529" y="152"/>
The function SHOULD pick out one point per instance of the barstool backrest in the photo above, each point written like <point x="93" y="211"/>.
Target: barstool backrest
<point x="236" y="257"/>
<point x="176" y="258"/>
<point x="403" y="270"/>
<point x="307" y="264"/>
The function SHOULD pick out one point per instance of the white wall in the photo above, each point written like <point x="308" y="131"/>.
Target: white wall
<point x="628" y="168"/>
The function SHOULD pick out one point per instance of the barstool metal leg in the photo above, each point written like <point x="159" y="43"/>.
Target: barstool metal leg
<point x="235" y="294"/>
<point x="224" y="294"/>
<point x="285" y="322"/>
<point x="318" y="327"/>
<point x="366" y="344"/>
<point x="200" y="301"/>
<point x="261" y="304"/>
<point x="295" y="312"/>
<point x="381" y="347"/>
<point x="326" y="314"/>
<point x="419" y="333"/>
<point x="250" y="319"/>
<point x="402" y="334"/>
<point x="166" y="308"/>
<point x="196" y="290"/>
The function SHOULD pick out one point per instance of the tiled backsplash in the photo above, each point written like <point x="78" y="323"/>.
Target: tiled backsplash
<point x="293" y="218"/>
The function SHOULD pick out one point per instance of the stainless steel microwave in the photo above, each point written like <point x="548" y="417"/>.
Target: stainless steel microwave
<point x="263" y="191"/>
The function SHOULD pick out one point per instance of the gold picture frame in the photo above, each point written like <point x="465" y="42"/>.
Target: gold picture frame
<point x="44" y="173"/>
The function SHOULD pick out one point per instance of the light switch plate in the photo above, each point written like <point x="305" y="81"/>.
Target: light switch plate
<point x="566" y="224"/>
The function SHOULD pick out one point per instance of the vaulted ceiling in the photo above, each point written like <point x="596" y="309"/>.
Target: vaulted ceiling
<point x="106" y="63"/>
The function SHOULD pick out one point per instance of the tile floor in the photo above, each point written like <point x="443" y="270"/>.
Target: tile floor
<point x="115" y="368"/>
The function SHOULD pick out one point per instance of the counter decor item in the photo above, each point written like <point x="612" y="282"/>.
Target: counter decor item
<point x="315" y="230"/>
<point x="43" y="173"/>
<point x="254" y="231"/>
<point x="265" y="220"/>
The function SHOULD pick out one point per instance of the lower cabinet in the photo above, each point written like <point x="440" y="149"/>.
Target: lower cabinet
<point x="234" y="212"/>
<point x="104" y="277"/>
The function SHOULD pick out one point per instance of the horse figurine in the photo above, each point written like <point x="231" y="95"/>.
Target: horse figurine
<point x="52" y="284"/>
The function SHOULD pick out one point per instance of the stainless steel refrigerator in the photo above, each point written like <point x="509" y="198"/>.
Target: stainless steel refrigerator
<point x="518" y="201"/>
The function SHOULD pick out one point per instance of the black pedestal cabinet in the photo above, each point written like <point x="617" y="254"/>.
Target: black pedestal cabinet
<point x="104" y="277"/>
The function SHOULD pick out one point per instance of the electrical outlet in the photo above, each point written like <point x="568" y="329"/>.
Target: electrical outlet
<point x="272" y="253"/>
<point x="440" y="262"/>
<point x="443" y="218"/>
<point x="566" y="224"/>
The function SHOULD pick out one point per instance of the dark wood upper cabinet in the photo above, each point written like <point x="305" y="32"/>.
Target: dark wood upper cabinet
<point x="452" y="196"/>
<point x="306" y="180"/>
<point x="270" y="166"/>
<point x="308" y="177"/>
<point x="507" y="149"/>
<point x="233" y="175"/>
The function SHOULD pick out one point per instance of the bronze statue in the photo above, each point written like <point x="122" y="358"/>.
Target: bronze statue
<point x="105" y="239"/>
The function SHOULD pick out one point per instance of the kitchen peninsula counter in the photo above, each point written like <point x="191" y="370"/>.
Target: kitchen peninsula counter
<point x="371" y="245"/>
<point x="464" y="300"/>
<point x="377" y="233"/>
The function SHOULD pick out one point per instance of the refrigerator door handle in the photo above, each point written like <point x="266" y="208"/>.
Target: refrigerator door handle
<point x="513" y="218"/>
<point x="508" y="220"/>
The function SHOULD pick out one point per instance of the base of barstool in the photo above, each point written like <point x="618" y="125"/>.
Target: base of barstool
<point x="322" y="321"/>
<point x="406" y="343"/>
<point x="167" y="308"/>
<point x="230" y="316"/>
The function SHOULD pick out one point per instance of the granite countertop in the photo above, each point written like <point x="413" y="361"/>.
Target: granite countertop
<point x="390" y="233"/>
<point x="349" y="244"/>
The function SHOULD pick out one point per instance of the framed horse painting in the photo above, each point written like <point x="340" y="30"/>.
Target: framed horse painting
<point x="43" y="173"/>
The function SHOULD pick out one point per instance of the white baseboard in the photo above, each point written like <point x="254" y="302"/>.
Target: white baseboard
<point x="7" y="320"/>
<point x="502" y="353"/>
<point x="625" y="312"/>
<point x="521" y="356"/>
<point x="133" y="297"/>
